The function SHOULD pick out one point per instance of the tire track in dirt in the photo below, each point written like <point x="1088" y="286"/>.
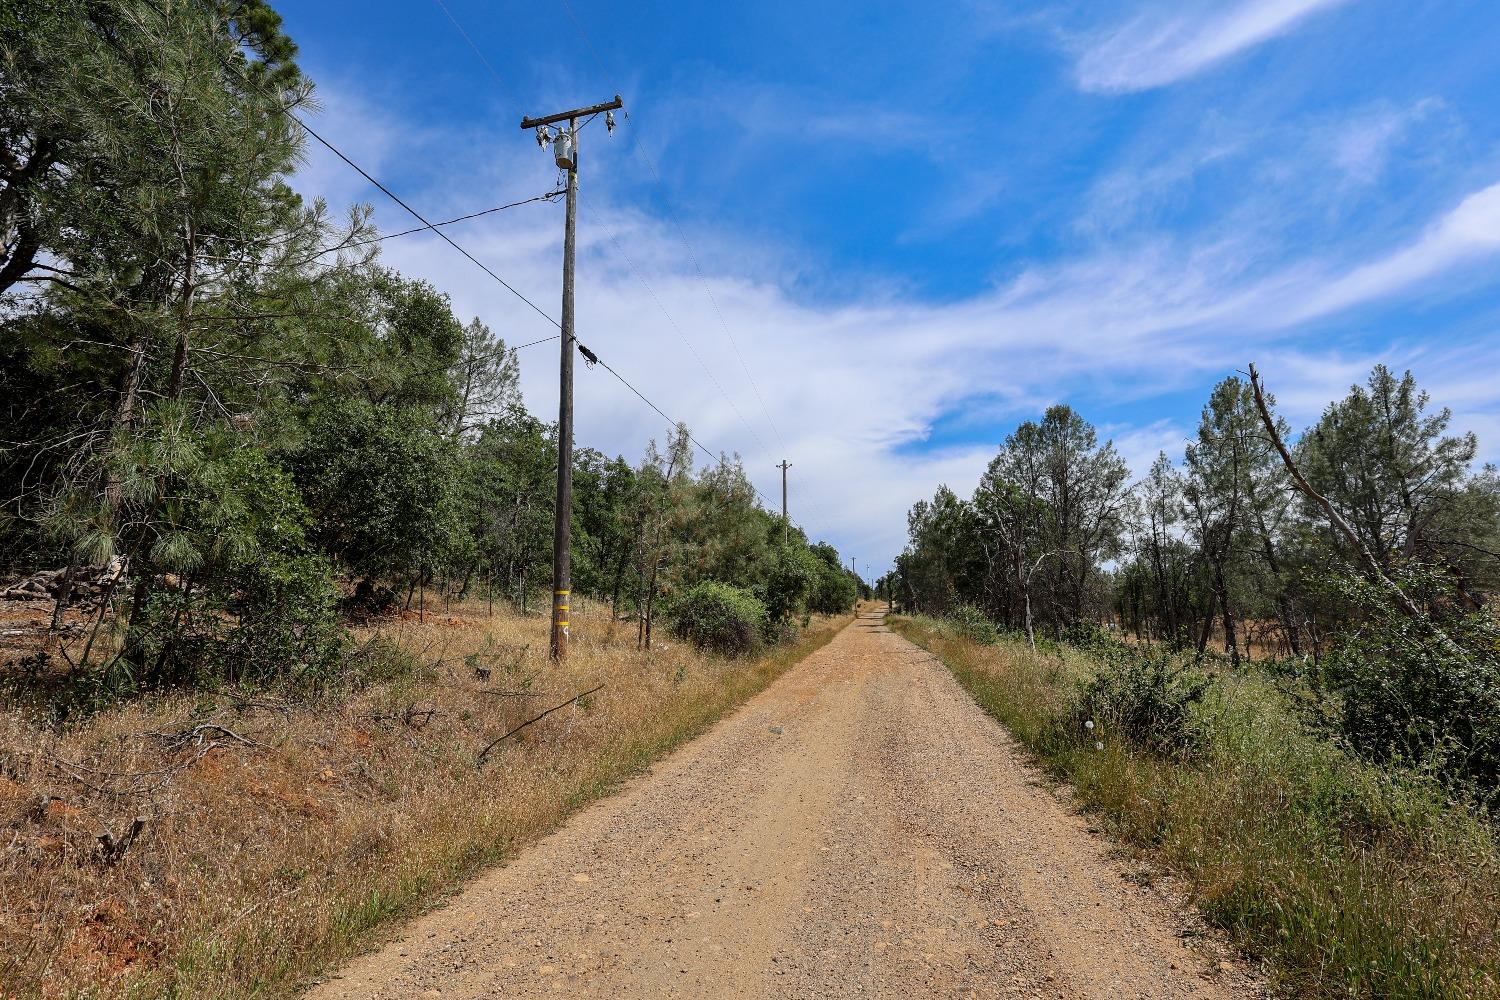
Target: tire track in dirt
<point x="888" y="841"/>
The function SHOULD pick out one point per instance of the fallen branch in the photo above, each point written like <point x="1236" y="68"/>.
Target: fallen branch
<point x="174" y="741"/>
<point x="411" y="716"/>
<point x="498" y="740"/>
<point x="138" y="788"/>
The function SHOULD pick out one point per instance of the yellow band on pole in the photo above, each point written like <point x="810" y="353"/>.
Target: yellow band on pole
<point x="562" y="624"/>
<point x="562" y="593"/>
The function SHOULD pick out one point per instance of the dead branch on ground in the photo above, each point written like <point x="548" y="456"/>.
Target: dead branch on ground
<point x="500" y="739"/>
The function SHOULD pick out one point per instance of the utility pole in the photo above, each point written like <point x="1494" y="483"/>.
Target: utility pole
<point x="786" y="523"/>
<point x="565" y="153"/>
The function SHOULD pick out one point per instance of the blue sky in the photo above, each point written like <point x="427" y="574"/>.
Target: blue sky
<point x="871" y="238"/>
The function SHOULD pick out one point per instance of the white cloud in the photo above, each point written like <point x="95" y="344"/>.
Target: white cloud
<point x="1166" y="45"/>
<point x="1362" y="145"/>
<point x="850" y="385"/>
<point x="853" y="386"/>
<point x="1139" y="446"/>
<point x="1470" y="230"/>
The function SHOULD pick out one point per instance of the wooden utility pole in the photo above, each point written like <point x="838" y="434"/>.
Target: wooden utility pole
<point x="786" y="523"/>
<point x="566" y="155"/>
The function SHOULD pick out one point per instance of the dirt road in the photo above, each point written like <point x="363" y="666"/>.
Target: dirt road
<point x="858" y="829"/>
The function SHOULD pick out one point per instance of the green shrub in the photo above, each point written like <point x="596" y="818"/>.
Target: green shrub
<point x="269" y="619"/>
<point x="834" y="591"/>
<point x="789" y="583"/>
<point x="974" y="625"/>
<point x="1399" y="693"/>
<point x="1148" y="700"/>
<point x="288" y="622"/>
<point x="1092" y="638"/>
<point x="720" y="618"/>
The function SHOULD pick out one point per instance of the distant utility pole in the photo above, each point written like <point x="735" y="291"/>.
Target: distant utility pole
<point x="565" y="153"/>
<point x="786" y="523"/>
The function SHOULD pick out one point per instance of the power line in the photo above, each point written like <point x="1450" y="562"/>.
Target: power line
<point x="641" y="277"/>
<point x="285" y="110"/>
<point x="589" y="354"/>
<point x="350" y="244"/>
<point x="687" y="246"/>
<point x="646" y="158"/>
<point x="497" y="352"/>
<point x="426" y="225"/>
<point x="468" y="39"/>
<point x="595" y="359"/>
<point x="493" y="72"/>
<point x="549" y="196"/>
<point x="415" y="214"/>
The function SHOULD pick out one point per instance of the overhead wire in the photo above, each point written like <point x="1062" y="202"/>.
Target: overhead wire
<point x="426" y="225"/>
<point x="415" y="214"/>
<point x="687" y="246"/>
<point x="549" y="196"/>
<point x="458" y="26"/>
<point x="641" y="277"/>
<point x="350" y="244"/>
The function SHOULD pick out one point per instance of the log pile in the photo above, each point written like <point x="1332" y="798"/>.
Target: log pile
<point x="45" y="585"/>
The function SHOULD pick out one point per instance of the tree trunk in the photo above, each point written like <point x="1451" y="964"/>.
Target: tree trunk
<point x="1208" y="624"/>
<point x="651" y="601"/>
<point x="19" y="234"/>
<point x="1231" y="639"/>
<point x="614" y="600"/>
<point x="1030" y="634"/>
<point x="64" y="592"/>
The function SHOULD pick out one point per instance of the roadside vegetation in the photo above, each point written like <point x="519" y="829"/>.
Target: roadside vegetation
<point x="283" y="830"/>
<point x="1353" y="878"/>
<point x="1361" y="560"/>
<point x="1274" y="662"/>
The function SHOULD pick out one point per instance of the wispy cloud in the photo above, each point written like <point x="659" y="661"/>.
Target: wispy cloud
<point x="1469" y="231"/>
<point x="1164" y="46"/>
<point x="1362" y="145"/>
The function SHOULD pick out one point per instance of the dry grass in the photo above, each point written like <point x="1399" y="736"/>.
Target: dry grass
<point x="1356" y="881"/>
<point x="262" y="865"/>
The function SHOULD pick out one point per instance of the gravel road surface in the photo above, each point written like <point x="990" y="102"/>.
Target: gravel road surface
<point x="859" y="829"/>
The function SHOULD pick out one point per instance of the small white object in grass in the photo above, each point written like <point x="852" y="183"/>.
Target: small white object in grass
<point x="1089" y="725"/>
<point x="1098" y="746"/>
